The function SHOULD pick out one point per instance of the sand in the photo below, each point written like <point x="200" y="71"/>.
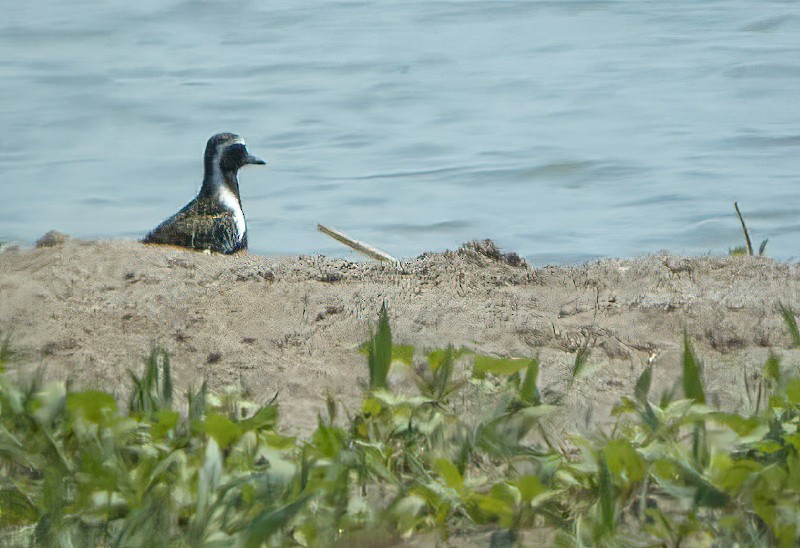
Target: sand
<point x="292" y="326"/>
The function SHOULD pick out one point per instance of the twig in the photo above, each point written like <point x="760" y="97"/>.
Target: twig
<point x="744" y="229"/>
<point x="361" y="247"/>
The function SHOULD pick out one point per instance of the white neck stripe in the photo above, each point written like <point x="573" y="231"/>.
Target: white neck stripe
<point x="228" y="199"/>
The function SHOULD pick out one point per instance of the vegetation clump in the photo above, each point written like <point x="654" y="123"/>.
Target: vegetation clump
<point x="487" y="248"/>
<point x="77" y="470"/>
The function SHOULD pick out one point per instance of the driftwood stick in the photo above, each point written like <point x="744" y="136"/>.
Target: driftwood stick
<point x="361" y="247"/>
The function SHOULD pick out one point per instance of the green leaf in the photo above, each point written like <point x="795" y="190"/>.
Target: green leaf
<point x="649" y="417"/>
<point x="222" y="429"/>
<point x="793" y="390"/>
<point x="267" y="524"/>
<point x="500" y="504"/>
<point x="606" y="501"/>
<point x="450" y="474"/>
<point x="692" y="373"/>
<point x="739" y="424"/>
<point x="581" y="359"/>
<point x="706" y="493"/>
<point x="197" y="403"/>
<point x="772" y="367"/>
<point x="642" y="389"/>
<point x="624" y="462"/>
<point x="165" y="421"/>
<point x="92" y="406"/>
<point x="279" y="442"/>
<point x="403" y="353"/>
<point x="379" y="357"/>
<point x="497" y="366"/>
<point x="328" y="440"/>
<point x="529" y="392"/>
<point x="248" y="493"/>
<point x="791" y="323"/>
<point x="6" y="353"/>
<point x="529" y="487"/>
<point x="732" y="474"/>
<point x="264" y="419"/>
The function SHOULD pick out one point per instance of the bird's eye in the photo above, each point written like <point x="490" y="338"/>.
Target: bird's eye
<point x="234" y="149"/>
<point x="233" y="156"/>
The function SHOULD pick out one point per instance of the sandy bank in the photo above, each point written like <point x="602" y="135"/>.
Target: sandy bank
<point x="87" y="310"/>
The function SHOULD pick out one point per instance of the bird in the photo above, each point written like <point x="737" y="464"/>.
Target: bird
<point x="214" y="220"/>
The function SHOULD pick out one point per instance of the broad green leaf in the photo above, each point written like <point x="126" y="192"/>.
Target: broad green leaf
<point x="222" y="429"/>
<point x="266" y="524"/>
<point x="642" y="389"/>
<point x="248" y="492"/>
<point x="529" y="392"/>
<point x="328" y="440"/>
<point x="650" y="417"/>
<point x="379" y="356"/>
<point x="263" y="419"/>
<point x="497" y="366"/>
<point x="706" y="493"/>
<point x="772" y="367"/>
<point x="624" y="462"/>
<point x="450" y="474"/>
<point x="403" y="353"/>
<point x="692" y="373"/>
<point x="278" y="441"/>
<point x="529" y="487"/>
<point x="500" y="504"/>
<point x="371" y="406"/>
<point x="793" y="391"/>
<point x="606" y="503"/>
<point x="165" y="421"/>
<point x="731" y="474"/>
<point x="766" y="446"/>
<point x="739" y="424"/>
<point x="92" y="406"/>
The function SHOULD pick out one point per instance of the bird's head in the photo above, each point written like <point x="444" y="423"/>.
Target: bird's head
<point x="226" y="153"/>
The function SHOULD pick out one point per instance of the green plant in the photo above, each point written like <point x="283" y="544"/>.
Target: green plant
<point x="76" y="470"/>
<point x="746" y="249"/>
<point x="379" y="356"/>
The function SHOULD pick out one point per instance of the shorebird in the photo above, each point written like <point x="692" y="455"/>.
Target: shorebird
<point x="214" y="220"/>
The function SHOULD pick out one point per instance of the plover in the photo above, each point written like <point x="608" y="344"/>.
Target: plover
<point x="214" y="220"/>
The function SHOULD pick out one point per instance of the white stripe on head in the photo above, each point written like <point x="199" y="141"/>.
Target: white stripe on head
<point x="217" y="176"/>
<point x="225" y="195"/>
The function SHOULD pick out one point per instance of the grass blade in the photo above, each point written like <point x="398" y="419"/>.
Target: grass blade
<point x="762" y="247"/>
<point x="606" y="502"/>
<point x="791" y="323"/>
<point x="529" y="392"/>
<point x="380" y="352"/>
<point x="744" y="229"/>
<point x="642" y="389"/>
<point x="581" y="358"/>
<point x="692" y="373"/>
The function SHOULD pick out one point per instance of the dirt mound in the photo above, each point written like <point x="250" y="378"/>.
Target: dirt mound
<point x="293" y="325"/>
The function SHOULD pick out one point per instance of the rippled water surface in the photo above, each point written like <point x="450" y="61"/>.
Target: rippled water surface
<point x="563" y="130"/>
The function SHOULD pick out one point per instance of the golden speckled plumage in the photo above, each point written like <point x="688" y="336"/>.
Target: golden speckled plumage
<point x="202" y="225"/>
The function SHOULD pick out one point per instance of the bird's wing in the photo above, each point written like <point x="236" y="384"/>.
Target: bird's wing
<point x="200" y="225"/>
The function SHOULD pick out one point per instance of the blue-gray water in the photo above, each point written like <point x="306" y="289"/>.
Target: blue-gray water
<point x="563" y="130"/>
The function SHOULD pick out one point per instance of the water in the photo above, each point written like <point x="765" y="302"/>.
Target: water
<point x="563" y="130"/>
